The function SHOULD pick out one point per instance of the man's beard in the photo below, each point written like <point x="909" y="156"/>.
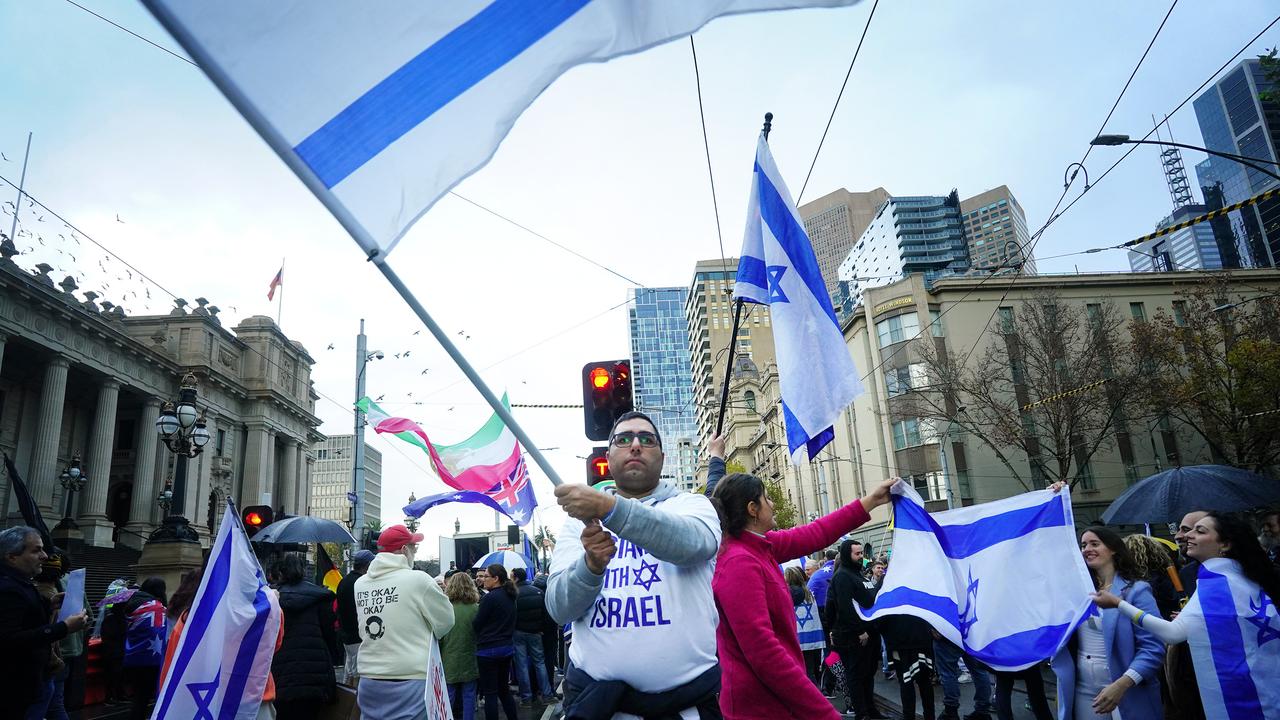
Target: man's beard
<point x="1269" y="542"/>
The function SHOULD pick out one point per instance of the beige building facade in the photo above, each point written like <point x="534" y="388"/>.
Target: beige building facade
<point x="80" y="378"/>
<point x="333" y="476"/>
<point x="874" y="437"/>
<point x="996" y="229"/>
<point x="709" y="313"/>
<point x="834" y="222"/>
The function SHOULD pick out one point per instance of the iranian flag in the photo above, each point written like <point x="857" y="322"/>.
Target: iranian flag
<point x="478" y="463"/>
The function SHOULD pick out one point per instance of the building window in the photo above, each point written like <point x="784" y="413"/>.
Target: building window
<point x="905" y="379"/>
<point x="750" y="397"/>
<point x="1138" y="310"/>
<point x="220" y="445"/>
<point x="906" y="433"/>
<point x="322" y="454"/>
<point x="1006" y="320"/>
<point x="1180" y="313"/>
<point x="898" y="328"/>
<point x="935" y="323"/>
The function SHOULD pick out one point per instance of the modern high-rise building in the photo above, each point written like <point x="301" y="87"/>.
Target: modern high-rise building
<point x="833" y="222"/>
<point x="996" y="229"/>
<point x="331" y="481"/>
<point x="661" y="376"/>
<point x="708" y="312"/>
<point x="1234" y="119"/>
<point x="909" y="235"/>
<point x="1191" y="248"/>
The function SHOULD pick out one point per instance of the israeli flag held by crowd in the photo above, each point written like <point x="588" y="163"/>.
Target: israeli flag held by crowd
<point x="220" y="667"/>
<point x="1004" y="580"/>
<point x="778" y="268"/>
<point x="1230" y="621"/>
<point x="381" y="108"/>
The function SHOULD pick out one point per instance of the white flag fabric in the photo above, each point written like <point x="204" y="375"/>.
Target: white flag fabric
<point x="1004" y="580"/>
<point x="383" y="107"/>
<point x="220" y="667"/>
<point x="778" y="268"/>
<point x="1234" y="634"/>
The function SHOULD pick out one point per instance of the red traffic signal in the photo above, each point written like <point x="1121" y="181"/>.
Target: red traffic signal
<point x="606" y="395"/>
<point x="256" y="517"/>
<point x="598" y="466"/>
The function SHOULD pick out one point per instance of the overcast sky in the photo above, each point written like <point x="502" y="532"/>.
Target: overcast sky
<point x="137" y="149"/>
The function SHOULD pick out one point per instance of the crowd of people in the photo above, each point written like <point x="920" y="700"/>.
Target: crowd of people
<point x="668" y="604"/>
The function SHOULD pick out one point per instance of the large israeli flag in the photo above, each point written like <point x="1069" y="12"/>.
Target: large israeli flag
<point x="1234" y="634"/>
<point x="1004" y="580"/>
<point x="220" y="667"/>
<point x="382" y="107"/>
<point x="777" y="268"/>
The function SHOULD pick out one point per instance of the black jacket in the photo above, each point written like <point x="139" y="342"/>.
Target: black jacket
<point x="847" y="587"/>
<point x="303" y="666"/>
<point x="495" y="621"/>
<point x="531" y="609"/>
<point x="348" y="625"/>
<point x="27" y="637"/>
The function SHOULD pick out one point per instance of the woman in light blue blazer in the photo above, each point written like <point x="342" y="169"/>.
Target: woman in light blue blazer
<point x="1110" y="662"/>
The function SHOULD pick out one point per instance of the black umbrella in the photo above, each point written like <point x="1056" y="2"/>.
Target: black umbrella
<point x="303" y="529"/>
<point x="1168" y="495"/>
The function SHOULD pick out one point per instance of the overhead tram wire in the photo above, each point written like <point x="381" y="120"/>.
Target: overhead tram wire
<point x="706" y="146"/>
<point x="1055" y="214"/>
<point x="836" y="106"/>
<point x="1026" y="251"/>
<point x="156" y="45"/>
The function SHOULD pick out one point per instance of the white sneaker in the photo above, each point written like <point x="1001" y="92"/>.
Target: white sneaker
<point x="964" y="678"/>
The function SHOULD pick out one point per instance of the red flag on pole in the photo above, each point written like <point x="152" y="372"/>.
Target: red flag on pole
<point x="276" y="282"/>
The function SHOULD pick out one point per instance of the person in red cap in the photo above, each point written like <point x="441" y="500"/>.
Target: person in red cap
<point x="398" y="611"/>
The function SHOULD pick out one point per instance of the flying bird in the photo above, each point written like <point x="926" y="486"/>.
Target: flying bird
<point x="426" y="370"/>
<point x="406" y="353"/>
<point x="415" y="332"/>
<point x="410" y="394"/>
<point x="379" y="397"/>
<point x="118" y="218"/>
<point x="6" y="158"/>
<point x="330" y="347"/>
<point x="461" y="332"/>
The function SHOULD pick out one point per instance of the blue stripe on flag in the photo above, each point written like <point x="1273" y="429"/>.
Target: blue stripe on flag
<point x="796" y="434"/>
<point x="1020" y="648"/>
<point x="250" y="645"/>
<point x="198" y="622"/>
<point x="795" y="243"/>
<point x="751" y="272"/>
<point x="819" y="441"/>
<point x="1239" y="693"/>
<point x="961" y="541"/>
<point x="811" y="636"/>
<point x="434" y="78"/>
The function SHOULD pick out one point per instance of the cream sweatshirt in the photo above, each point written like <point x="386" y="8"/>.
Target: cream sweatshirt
<point x="398" y="610"/>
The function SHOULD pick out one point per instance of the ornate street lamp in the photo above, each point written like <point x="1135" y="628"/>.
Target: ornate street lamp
<point x="185" y="433"/>
<point x="72" y="481"/>
<point x="409" y="521"/>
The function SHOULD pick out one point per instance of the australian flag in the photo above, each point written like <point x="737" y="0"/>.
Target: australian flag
<point x="512" y="496"/>
<point x="144" y="640"/>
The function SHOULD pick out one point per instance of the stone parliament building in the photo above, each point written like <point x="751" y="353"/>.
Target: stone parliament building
<point x="80" y="378"/>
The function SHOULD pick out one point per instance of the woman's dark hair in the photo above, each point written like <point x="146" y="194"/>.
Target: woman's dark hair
<point x="186" y="592"/>
<point x="154" y="587"/>
<point x="732" y="495"/>
<point x="1246" y="550"/>
<point x="1123" y="560"/>
<point x="795" y="578"/>
<point x="291" y="569"/>
<point x="497" y="571"/>
<point x="846" y="561"/>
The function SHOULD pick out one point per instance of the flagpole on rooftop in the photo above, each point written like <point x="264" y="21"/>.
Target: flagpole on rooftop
<point x="284" y="150"/>
<point x="737" y="321"/>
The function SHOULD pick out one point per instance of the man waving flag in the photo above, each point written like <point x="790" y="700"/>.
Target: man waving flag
<point x="778" y="268"/>
<point x="220" y="667"/>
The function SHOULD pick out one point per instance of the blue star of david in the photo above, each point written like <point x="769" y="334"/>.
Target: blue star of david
<point x="647" y="582"/>
<point x="804" y="614"/>
<point x="775" y="273"/>
<point x="1266" y="633"/>
<point x="203" y="693"/>
<point x="969" y="615"/>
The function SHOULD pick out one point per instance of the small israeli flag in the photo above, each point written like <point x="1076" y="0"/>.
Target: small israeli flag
<point x="1004" y="580"/>
<point x="777" y="268"/>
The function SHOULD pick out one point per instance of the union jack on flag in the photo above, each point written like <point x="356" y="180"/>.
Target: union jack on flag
<point x="144" y="640"/>
<point x="514" y="494"/>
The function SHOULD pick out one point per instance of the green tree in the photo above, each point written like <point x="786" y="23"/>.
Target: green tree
<point x="1271" y="73"/>
<point x="1216" y="370"/>
<point x="784" y="512"/>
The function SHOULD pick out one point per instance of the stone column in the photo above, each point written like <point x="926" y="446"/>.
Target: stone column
<point x="288" y="481"/>
<point x="258" y="467"/>
<point x="3" y="339"/>
<point x="306" y="481"/>
<point x="44" y="456"/>
<point x="145" y="491"/>
<point x="93" y="500"/>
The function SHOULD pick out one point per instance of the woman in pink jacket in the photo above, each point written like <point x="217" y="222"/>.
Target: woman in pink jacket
<point x="762" y="668"/>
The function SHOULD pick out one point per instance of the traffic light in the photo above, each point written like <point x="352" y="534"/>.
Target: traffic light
<point x="256" y="517"/>
<point x="598" y="466"/>
<point x="606" y="395"/>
